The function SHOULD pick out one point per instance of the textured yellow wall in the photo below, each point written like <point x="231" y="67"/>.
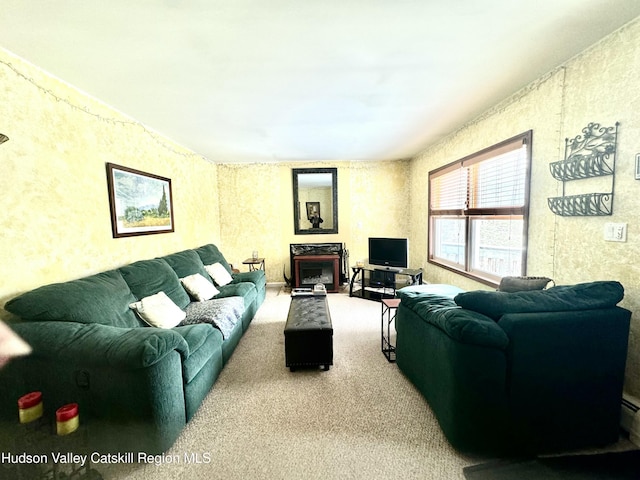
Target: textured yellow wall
<point x="55" y="217"/>
<point x="532" y="109"/>
<point x="256" y="209"/>
<point x="600" y="85"/>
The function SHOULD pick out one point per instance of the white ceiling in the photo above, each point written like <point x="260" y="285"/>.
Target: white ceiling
<point x="274" y="80"/>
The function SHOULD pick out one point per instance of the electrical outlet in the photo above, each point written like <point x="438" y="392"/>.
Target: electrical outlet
<point x="615" y="232"/>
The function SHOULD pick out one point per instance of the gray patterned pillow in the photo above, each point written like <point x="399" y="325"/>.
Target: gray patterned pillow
<point x="522" y="284"/>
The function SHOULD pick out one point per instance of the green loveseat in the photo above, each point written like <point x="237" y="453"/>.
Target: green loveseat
<point x="516" y="373"/>
<point x="137" y="386"/>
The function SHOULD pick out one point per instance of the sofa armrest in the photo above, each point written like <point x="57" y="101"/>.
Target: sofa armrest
<point x="464" y="326"/>
<point x="566" y="374"/>
<point x="128" y="382"/>
<point x="561" y="344"/>
<point x="97" y="344"/>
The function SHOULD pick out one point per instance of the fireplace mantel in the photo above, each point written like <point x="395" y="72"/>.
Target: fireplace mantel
<point x="320" y="249"/>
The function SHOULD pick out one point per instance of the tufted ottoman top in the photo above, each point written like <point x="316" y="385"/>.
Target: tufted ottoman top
<point x="308" y="313"/>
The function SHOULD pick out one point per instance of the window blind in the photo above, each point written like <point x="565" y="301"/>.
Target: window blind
<point x="488" y="181"/>
<point x="499" y="181"/>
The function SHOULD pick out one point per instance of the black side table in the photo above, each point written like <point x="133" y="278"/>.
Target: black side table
<point x="389" y="310"/>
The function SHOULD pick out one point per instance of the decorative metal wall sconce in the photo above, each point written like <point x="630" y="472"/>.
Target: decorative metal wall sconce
<point x="3" y="138"/>
<point x="591" y="154"/>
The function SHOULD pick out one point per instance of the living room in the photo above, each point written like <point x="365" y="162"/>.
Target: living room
<point x="56" y="214"/>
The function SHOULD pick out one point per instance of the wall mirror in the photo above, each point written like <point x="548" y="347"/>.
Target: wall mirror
<point x="315" y="200"/>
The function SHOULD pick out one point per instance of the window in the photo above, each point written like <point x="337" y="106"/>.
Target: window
<point x="478" y="212"/>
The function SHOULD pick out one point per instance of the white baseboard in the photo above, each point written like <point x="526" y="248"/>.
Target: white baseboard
<point x="630" y="417"/>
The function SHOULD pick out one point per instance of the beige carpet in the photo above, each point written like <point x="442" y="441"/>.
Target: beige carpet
<point x="360" y="420"/>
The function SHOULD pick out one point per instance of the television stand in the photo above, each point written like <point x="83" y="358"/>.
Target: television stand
<point x="389" y="269"/>
<point x="375" y="283"/>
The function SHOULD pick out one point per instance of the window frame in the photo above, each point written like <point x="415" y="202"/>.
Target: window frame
<point x="467" y="214"/>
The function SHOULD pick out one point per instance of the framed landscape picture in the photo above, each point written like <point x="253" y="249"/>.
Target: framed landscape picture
<point x="141" y="203"/>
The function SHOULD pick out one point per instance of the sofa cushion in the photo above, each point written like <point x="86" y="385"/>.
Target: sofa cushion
<point x="245" y="290"/>
<point x="159" y="311"/>
<point x="203" y="341"/>
<point x="257" y="277"/>
<point x="102" y="298"/>
<point x="185" y="263"/>
<point x="210" y="254"/>
<point x="148" y="277"/>
<point x="583" y="296"/>
<point x="459" y="324"/>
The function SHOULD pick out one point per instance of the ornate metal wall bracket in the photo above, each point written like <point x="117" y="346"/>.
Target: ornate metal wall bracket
<point x="587" y="204"/>
<point x="590" y="154"/>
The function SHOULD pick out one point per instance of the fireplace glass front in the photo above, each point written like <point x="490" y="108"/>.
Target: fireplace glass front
<point x="311" y="270"/>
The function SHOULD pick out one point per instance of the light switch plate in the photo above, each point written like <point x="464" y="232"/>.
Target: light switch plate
<point x="615" y="232"/>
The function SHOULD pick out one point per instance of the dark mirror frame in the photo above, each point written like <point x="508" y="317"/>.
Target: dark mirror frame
<point x="296" y="202"/>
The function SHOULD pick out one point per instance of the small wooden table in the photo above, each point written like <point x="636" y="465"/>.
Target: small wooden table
<point x="389" y="310"/>
<point x="252" y="262"/>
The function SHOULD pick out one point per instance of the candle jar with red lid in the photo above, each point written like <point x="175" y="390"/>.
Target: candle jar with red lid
<point x="67" y="419"/>
<point x="30" y="407"/>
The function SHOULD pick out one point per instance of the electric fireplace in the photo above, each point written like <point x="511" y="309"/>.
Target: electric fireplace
<point x="313" y="269"/>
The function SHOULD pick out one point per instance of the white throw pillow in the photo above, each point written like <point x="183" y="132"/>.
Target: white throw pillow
<point x="219" y="274"/>
<point x="199" y="287"/>
<point x="159" y="311"/>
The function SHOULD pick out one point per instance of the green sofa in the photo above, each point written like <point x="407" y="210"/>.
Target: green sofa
<point x="137" y="386"/>
<point x="517" y="373"/>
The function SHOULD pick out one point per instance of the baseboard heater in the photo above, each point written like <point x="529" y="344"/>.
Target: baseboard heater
<point x="630" y="417"/>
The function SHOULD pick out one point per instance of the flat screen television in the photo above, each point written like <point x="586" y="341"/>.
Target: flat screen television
<point x="392" y="253"/>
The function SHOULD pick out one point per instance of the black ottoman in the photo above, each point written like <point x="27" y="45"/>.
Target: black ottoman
<point x="308" y="334"/>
